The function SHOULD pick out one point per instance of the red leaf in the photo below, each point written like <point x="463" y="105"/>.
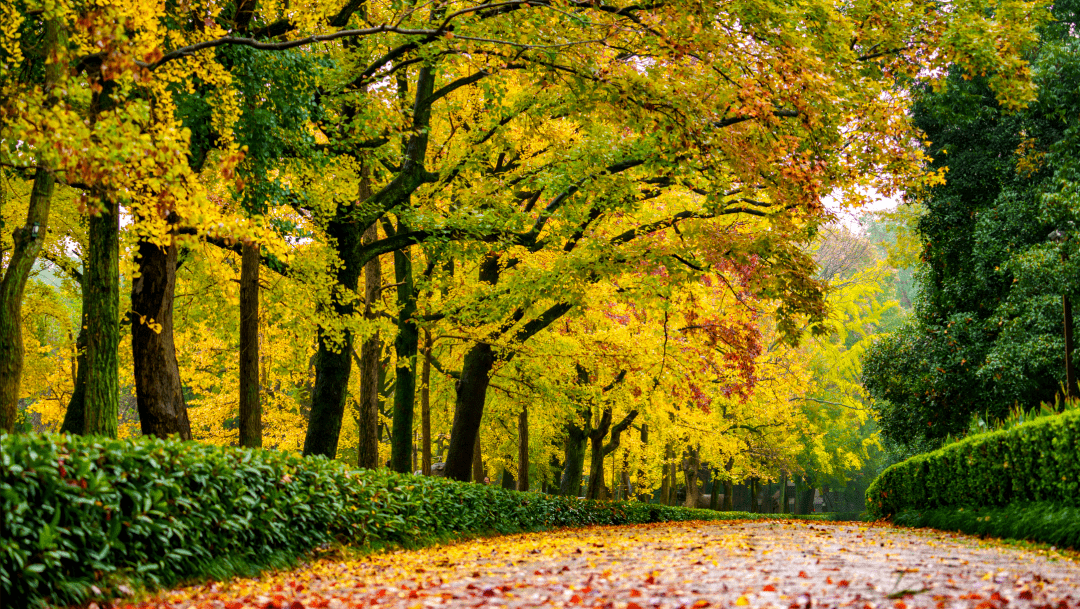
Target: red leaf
<point x="803" y="574"/>
<point x="769" y="588"/>
<point x="633" y="605"/>
<point x="634" y="593"/>
<point x="843" y="583"/>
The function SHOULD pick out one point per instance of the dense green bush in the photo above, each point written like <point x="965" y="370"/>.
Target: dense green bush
<point x="88" y="511"/>
<point x="1035" y="462"/>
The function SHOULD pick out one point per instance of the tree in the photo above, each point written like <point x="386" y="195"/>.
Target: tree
<point x="986" y="334"/>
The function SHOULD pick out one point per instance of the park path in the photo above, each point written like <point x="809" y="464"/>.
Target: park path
<point x="782" y="564"/>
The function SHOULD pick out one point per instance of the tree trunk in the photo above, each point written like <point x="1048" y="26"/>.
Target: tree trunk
<point x="425" y="407"/>
<point x="27" y="244"/>
<point x="728" y="500"/>
<point x="784" y="495"/>
<point x="601" y="450"/>
<point x="507" y="481"/>
<point x="159" y="394"/>
<point x="250" y="409"/>
<point x="370" y="352"/>
<point x="714" y="498"/>
<point x="471" y="393"/>
<point x="102" y="283"/>
<point x="478" y="474"/>
<point x="574" y="460"/>
<point x="405" y="345"/>
<point x="665" y="478"/>
<point x="691" y="465"/>
<point x="333" y="361"/>
<point x="523" y="449"/>
<point x="75" y="416"/>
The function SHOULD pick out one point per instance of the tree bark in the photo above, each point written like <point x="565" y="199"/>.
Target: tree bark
<point x="27" y="244"/>
<point x="333" y="361"/>
<point x="405" y="346"/>
<point x="523" y="449"/>
<point x="573" y="461"/>
<point x="102" y="284"/>
<point x="665" y="477"/>
<point x="478" y="474"/>
<point x="425" y="407"/>
<point x="158" y="392"/>
<point x="250" y="408"/>
<point x="728" y="500"/>
<point x="601" y="450"/>
<point x="370" y="353"/>
<point x="75" y="416"/>
<point x="691" y="465"/>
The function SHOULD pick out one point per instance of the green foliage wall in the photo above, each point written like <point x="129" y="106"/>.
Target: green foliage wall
<point x="1034" y="462"/>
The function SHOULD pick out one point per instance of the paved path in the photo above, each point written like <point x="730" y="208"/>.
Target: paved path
<point x="789" y="565"/>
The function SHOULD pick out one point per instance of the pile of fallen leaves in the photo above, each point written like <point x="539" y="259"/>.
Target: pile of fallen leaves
<point x="791" y="564"/>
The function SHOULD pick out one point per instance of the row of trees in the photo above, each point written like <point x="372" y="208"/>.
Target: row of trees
<point x="986" y="336"/>
<point x="578" y="217"/>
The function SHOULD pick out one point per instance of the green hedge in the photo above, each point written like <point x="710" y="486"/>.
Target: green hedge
<point x="89" y="511"/>
<point x="1037" y="462"/>
<point x="1051" y="523"/>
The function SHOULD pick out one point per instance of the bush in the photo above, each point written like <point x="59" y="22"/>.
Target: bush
<point x="1036" y="462"/>
<point x="1051" y="523"/>
<point x="90" y="511"/>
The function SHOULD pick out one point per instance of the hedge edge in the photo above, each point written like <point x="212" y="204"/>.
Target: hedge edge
<point x="1036" y="462"/>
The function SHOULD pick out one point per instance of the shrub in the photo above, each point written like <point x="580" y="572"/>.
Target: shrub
<point x="90" y="511"/>
<point x="1035" y="462"/>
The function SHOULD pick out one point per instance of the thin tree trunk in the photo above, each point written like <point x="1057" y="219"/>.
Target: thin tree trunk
<point x="27" y="244"/>
<point x="370" y="353"/>
<point x="691" y="466"/>
<point x="405" y="346"/>
<point x="728" y="500"/>
<point x="250" y="408"/>
<point x="784" y="495"/>
<point x="665" y="479"/>
<point x="425" y="407"/>
<point x="714" y="498"/>
<point x="159" y="394"/>
<point x="523" y="449"/>
<point x="478" y="474"/>
<point x="103" y="321"/>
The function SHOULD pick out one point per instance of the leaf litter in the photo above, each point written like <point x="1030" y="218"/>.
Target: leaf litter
<point x="772" y="564"/>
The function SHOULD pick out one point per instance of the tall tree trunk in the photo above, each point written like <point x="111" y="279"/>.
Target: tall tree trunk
<point x="523" y="449"/>
<point x="27" y="244"/>
<point x="158" y="391"/>
<point x="405" y="345"/>
<point x="333" y="361"/>
<point x="471" y="393"/>
<point x="573" y="461"/>
<point x="250" y="408"/>
<point x="728" y="500"/>
<point x="425" y="407"/>
<point x="75" y="416"/>
<point x="370" y="353"/>
<point x="102" y="284"/>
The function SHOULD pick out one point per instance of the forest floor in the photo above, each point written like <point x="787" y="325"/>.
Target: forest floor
<point x="782" y="564"/>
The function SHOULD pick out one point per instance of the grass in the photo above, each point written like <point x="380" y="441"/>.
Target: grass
<point x="1048" y="523"/>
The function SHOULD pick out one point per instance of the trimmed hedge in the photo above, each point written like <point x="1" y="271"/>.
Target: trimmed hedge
<point x="1037" y="462"/>
<point x="91" y="511"/>
<point x="1051" y="523"/>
